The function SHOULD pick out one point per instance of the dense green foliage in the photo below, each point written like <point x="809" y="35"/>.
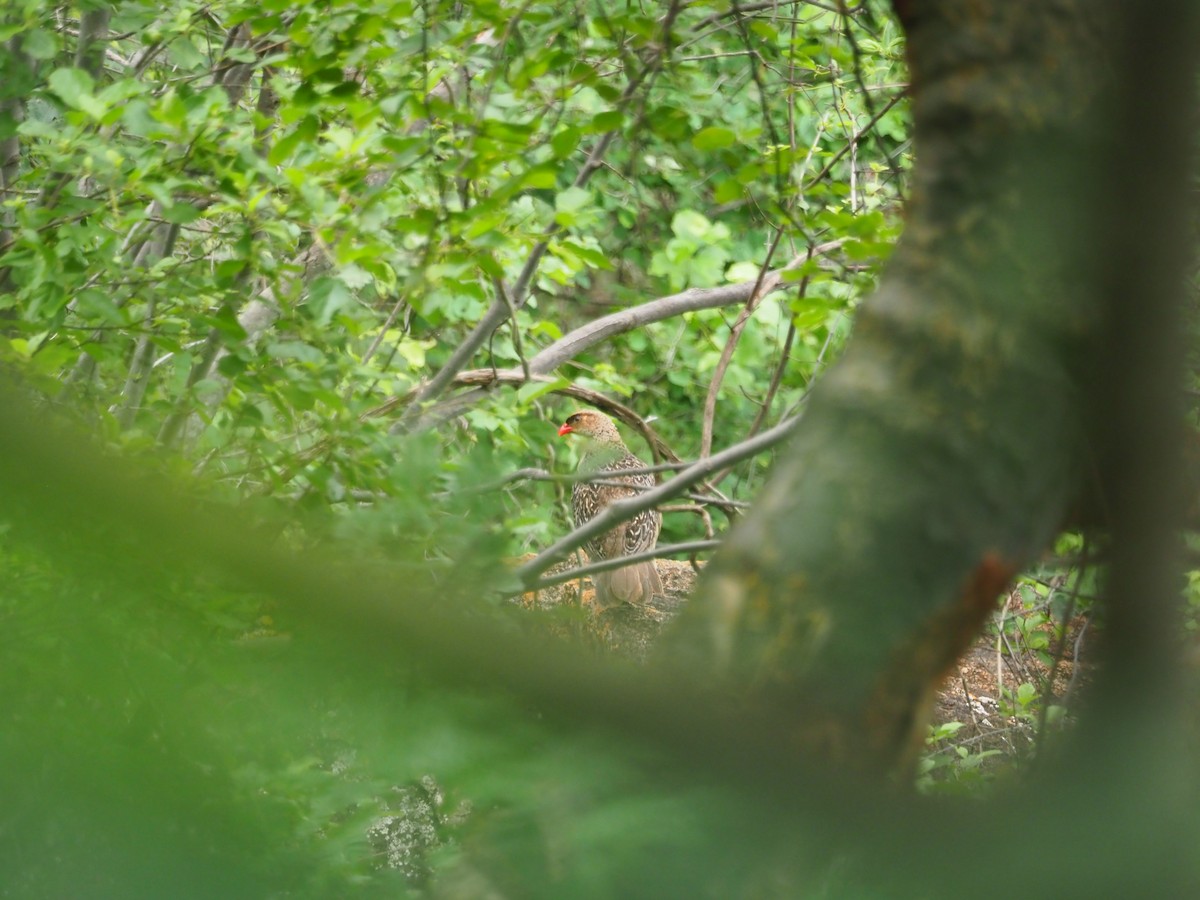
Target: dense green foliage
<point x="235" y="229"/>
<point x="245" y="241"/>
<point x="235" y="240"/>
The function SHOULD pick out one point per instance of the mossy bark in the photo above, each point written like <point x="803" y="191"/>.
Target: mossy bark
<point x="944" y="450"/>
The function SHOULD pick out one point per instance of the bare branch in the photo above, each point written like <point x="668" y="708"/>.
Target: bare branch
<point x="93" y="35"/>
<point x="606" y="565"/>
<point x="575" y="342"/>
<point x="692" y="300"/>
<point x="735" y="335"/>
<point x="535" y="474"/>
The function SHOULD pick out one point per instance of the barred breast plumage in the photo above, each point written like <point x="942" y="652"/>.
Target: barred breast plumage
<point x="605" y="458"/>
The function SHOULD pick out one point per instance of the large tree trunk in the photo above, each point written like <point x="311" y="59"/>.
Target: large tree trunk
<point x="947" y="447"/>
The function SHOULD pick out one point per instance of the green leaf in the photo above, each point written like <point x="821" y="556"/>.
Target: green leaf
<point x="303" y="133"/>
<point x="184" y="53"/>
<point x="564" y="142"/>
<point x="527" y="393"/>
<point x="140" y="121"/>
<point x="97" y="306"/>
<point x="713" y="138"/>
<point x="569" y="203"/>
<point x="355" y="277"/>
<point x="728" y="191"/>
<point x="39" y="43"/>
<point x="542" y="177"/>
<point x="546" y="328"/>
<point x="180" y="213"/>
<point x="326" y="298"/>
<point x="607" y="121"/>
<point x="572" y="199"/>
<point x="74" y="87"/>
<point x="742" y="271"/>
<point x="413" y="352"/>
<point x="297" y="350"/>
<point x="691" y="225"/>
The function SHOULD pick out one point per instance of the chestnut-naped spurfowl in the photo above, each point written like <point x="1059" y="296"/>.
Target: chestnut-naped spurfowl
<point x="604" y="458"/>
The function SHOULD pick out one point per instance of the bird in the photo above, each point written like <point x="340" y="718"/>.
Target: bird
<point x="605" y="456"/>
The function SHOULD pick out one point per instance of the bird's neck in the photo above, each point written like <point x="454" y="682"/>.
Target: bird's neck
<point x="597" y="455"/>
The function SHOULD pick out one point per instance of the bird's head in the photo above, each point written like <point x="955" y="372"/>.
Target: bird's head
<point x="593" y="425"/>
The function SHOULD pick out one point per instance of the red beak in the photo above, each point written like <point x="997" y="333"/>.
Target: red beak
<point x="566" y="429"/>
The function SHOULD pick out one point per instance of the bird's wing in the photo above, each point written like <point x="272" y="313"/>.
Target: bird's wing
<point x="639" y="533"/>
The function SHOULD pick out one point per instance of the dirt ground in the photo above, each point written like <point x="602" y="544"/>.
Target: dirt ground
<point x="984" y="691"/>
<point x="1008" y="664"/>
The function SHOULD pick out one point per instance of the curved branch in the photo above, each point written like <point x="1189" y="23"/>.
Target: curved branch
<point x="575" y="342"/>
<point x="580" y="339"/>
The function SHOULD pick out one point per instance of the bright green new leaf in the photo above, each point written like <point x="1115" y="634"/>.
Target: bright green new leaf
<point x="572" y="199"/>
<point x="691" y="225"/>
<point x="542" y="178"/>
<point x="607" y="121"/>
<point x="527" y="393"/>
<point x="742" y="271"/>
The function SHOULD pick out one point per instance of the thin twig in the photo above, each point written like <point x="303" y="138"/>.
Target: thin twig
<point x="776" y="378"/>
<point x="855" y="137"/>
<point x="606" y="565"/>
<point x="512" y="320"/>
<point x="735" y="335"/>
<point x="856" y="56"/>
<point x="699" y="508"/>
<point x="393" y="314"/>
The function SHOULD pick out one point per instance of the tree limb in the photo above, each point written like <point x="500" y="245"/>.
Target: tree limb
<point x="93" y="35"/>
<point x="598" y="330"/>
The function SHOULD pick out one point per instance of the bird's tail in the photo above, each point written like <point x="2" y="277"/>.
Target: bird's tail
<point x="637" y="583"/>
